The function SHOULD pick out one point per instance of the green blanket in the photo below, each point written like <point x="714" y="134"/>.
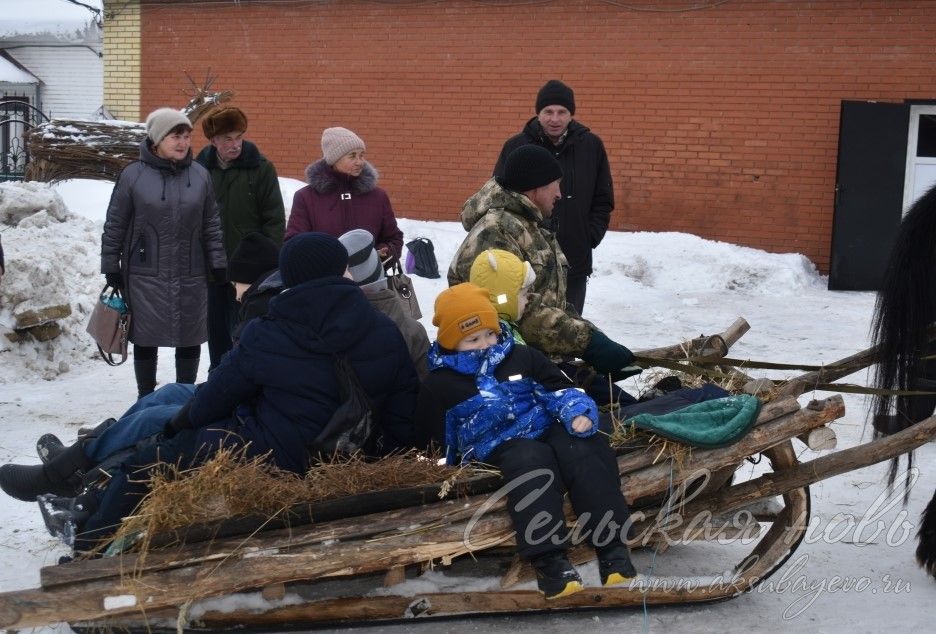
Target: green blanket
<point x="709" y="424"/>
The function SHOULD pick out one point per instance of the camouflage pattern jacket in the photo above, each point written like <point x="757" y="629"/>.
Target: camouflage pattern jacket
<point x="497" y="218"/>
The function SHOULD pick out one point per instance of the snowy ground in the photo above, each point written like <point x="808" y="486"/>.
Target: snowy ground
<point x="648" y="290"/>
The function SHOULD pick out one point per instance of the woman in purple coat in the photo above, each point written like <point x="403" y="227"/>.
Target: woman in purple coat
<point x="342" y="195"/>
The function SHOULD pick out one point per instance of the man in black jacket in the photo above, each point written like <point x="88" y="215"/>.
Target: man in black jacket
<point x="583" y="213"/>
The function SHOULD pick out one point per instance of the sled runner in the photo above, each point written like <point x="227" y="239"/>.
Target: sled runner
<point x="361" y="558"/>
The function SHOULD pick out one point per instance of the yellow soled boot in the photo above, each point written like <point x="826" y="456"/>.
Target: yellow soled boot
<point x="614" y="565"/>
<point x="556" y="576"/>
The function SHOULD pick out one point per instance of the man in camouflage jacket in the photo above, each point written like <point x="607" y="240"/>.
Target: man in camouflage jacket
<point x="511" y="212"/>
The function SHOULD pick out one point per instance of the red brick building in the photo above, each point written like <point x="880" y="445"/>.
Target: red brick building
<point x="720" y="117"/>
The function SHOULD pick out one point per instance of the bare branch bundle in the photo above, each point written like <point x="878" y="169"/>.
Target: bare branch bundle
<point x="74" y="148"/>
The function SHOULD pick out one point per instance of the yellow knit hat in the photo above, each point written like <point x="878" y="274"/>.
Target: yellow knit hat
<point x="460" y="311"/>
<point x="504" y="275"/>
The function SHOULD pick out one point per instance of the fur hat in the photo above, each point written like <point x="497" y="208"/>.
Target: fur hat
<point x="161" y="121"/>
<point x="255" y="255"/>
<point x="309" y="256"/>
<point x="529" y="167"/>
<point x="504" y="275"/>
<point x="555" y="93"/>
<point x="222" y="120"/>
<point x="336" y="142"/>
<point x="461" y="311"/>
<point x="363" y="261"/>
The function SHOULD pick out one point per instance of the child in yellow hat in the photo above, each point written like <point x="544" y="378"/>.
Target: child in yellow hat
<point x="492" y="399"/>
<point x="508" y="280"/>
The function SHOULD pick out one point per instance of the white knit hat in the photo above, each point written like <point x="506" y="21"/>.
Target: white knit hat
<point x="161" y="121"/>
<point x="336" y="142"/>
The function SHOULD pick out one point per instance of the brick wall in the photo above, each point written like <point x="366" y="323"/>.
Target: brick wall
<point x="722" y="122"/>
<point x="122" y="58"/>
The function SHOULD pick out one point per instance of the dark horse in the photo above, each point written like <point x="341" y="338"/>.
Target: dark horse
<point x="903" y="316"/>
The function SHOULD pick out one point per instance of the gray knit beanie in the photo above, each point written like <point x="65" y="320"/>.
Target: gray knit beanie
<point x="161" y="121"/>
<point x="363" y="261"/>
<point x="336" y="142"/>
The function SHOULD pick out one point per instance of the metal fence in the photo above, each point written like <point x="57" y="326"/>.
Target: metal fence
<point x="17" y="116"/>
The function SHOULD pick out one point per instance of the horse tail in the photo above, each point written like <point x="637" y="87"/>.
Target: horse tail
<point x="903" y="312"/>
<point x="926" y="548"/>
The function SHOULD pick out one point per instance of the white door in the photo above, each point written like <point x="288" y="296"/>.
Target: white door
<point x="921" y="154"/>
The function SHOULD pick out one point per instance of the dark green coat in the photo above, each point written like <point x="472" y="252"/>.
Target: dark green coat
<point x="248" y="194"/>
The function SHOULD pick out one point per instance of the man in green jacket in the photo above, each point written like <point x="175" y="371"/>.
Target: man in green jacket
<point x="248" y="193"/>
<point x="511" y="212"/>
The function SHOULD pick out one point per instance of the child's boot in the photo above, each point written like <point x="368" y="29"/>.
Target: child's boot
<point x="614" y="565"/>
<point x="555" y="575"/>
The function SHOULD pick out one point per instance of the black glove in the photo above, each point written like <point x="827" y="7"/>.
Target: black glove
<point x="179" y="421"/>
<point x="609" y="357"/>
<point x="219" y="276"/>
<point x="115" y="280"/>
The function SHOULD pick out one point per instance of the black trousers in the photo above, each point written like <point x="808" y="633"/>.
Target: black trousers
<point x="536" y="472"/>
<point x="222" y="312"/>
<point x="575" y="292"/>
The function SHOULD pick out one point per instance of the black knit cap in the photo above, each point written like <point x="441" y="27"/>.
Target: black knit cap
<point x="255" y="255"/>
<point x="310" y="256"/>
<point x="555" y="93"/>
<point x="529" y="167"/>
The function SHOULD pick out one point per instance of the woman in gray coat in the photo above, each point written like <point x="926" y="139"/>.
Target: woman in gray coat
<point x="161" y="236"/>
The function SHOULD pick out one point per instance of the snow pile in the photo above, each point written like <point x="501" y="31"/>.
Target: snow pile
<point x="693" y="264"/>
<point x="52" y="257"/>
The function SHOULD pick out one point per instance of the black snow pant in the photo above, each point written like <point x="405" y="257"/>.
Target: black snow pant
<point x="536" y="472"/>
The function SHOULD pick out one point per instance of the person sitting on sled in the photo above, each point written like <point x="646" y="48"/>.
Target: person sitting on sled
<point x="489" y="398"/>
<point x="509" y="281"/>
<point x="272" y="394"/>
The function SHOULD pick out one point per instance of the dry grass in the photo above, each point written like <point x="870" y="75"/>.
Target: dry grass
<point x="230" y="485"/>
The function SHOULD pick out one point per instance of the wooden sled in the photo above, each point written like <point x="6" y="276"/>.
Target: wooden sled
<point x="350" y="566"/>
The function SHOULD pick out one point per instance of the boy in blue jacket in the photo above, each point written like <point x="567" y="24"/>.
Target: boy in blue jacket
<point x="491" y="399"/>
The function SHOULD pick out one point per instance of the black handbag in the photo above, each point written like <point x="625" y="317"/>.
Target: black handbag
<point x="421" y="259"/>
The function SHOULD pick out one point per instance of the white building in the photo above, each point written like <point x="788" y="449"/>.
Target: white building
<point x="50" y="66"/>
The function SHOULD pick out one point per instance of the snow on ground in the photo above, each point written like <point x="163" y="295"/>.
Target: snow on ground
<point x="649" y="289"/>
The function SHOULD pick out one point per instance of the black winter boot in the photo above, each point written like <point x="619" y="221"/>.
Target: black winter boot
<point x="48" y="446"/>
<point x="27" y="482"/>
<point x="64" y="516"/>
<point x="614" y="565"/>
<point x="186" y="370"/>
<point x="555" y="575"/>
<point x="145" y="370"/>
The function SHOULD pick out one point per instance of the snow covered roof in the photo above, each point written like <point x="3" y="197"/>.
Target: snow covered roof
<point x="14" y="73"/>
<point x="58" y="19"/>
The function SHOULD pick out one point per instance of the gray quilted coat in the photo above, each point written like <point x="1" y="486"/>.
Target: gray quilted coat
<point x="163" y="233"/>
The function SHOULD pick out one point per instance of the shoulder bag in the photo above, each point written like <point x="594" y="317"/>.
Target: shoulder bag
<point x="109" y="326"/>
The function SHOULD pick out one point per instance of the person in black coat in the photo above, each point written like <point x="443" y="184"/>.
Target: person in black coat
<point x="252" y="270"/>
<point x="274" y="392"/>
<point x="582" y="215"/>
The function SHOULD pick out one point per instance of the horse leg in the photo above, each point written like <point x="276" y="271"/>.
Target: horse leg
<point x="926" y="549"/>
